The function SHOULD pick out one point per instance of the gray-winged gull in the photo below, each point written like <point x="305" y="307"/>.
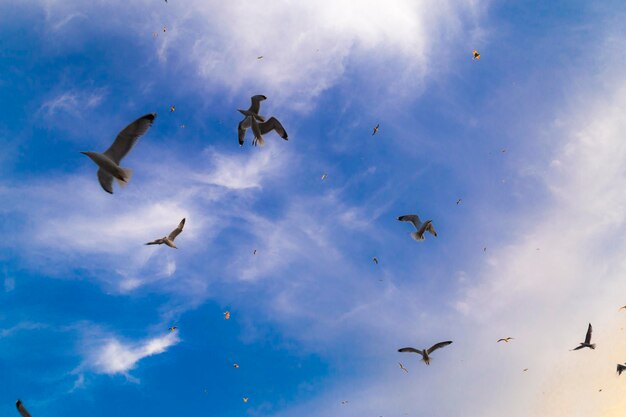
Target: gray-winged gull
<point x="169" y="240"/>
<point x="259" y="125"/>
<point x="427" y="226"/>
<point x="426" y="352"/>
<point x="108" y="161"/>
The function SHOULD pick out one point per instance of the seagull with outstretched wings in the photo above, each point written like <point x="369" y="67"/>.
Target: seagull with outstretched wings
<point x="505" y="340"/>
<point x="587" y="342"/>
<point x="108" y="161"/>
<point x="420" y="227"/>
<point x="258" y="124"/>
<point x="169" y="240"/>
<point x="426" y="352"/>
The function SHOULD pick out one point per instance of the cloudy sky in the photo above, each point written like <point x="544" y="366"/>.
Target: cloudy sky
<point x="530" y="138"/>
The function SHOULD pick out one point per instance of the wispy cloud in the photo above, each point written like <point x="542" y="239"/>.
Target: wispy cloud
<point x="111" y="356"/>
<point x="72" y="102"/>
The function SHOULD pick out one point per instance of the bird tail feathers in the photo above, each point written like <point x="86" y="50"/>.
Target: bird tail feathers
<point x="592" y="346"/>
<point x="416" y="236"/>
<point x="127" y="174"/>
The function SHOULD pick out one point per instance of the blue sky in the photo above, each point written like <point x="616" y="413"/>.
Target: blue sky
<point x="85" y="307"/>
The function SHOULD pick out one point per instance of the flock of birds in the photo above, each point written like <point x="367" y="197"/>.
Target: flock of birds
<point x="109" y="168"/>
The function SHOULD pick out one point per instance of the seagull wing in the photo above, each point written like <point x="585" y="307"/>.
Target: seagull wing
<point x="579" y="347"/>
<point x="177" y="231"/>
<point x="437" y="346"/>
<point x="155" y="242"/>
<point x="620" y="368"/>
<point x="106" y="181"/>
<point x="127" y="138"/>
<point x="412" y="218"/>
<point x="410" y="349"/>
<point x="256" y="103"/>
<point x="588" y="336"/>
<point x="431" y="229"/>
<point x="20" y="407"/>
<point x="273" y="124"/>
<point x="241" y="130"/>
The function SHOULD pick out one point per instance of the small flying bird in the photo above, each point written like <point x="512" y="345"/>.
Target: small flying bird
<point x="525" y="369"/>
<point x="485" y="249"/>
<point x="172" y="109"/>
<point x="427" y="226"/>
<point x="620" y="368"/>
<point x="458" y="201"/>
<point x="245" y="399"/>
<point x="505" y="340"/>
<point x="375" y="259"/>
<point x="476" y="54"/>
<point x="259" y="125"/>
<point x="254" y="253"/>
<point x="22" y="410"/>
<point x="108" y="161"/>
<point x="403" y="368"/>
<point x="587" y="342"/>
<point x="375" y="129"/>
<point x="344" y="402"/>
<point x="324" y="177"/>
<point x="236" y="366"/>
<point x="622" y="308"/>
<point x="259" y="57"/>
<point x="426" y="352"/>
<point x="226" y="315"/>
<point x="173" y="328"/>
<point x="164" y="29"/>
<point x="169" y="240"/>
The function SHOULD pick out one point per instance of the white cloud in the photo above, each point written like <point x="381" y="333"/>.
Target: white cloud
<point x="72" y="102"/>
<point x="113" y="356"/>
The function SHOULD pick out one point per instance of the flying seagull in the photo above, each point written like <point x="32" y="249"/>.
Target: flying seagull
<point x="426" y="352"/>
<point x="172" y="109"/>
<point x="458" y="201"/>
<point x="620" y="368"/>
<point x="259" y="125"/>
<point x="236" y="366"/>
<point x="226" y="315"/>
<point x="375" y="129"/>
<point x="421" y="227"/>
<point x="108" y="161"/>
<point x="622" y="308"/>
<point x="375" y="259"/>
<point x="505" y="340"/>
<point x="173" y="328"/>
<point x="245" y="399"/>
<point x="169" y="240"/>
<point x="324" y="177"/>
<point x="20" y="407"/>
<point x="475" y="54"/>
<point x="403" y="368"/>
<point x="587" y="342"/>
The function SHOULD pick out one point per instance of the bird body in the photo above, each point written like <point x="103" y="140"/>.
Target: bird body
<point x="420" y="227"/>
<point x="475" y="54"/>
<point x="109" y="160"/>
<point x="620" y="368"/>
<point x="426" y="352"/>
<point x="587" y="342"/>
<point x="169" y="240"/>
<point x="505" y="340"/>
<point x="375" y="129"/>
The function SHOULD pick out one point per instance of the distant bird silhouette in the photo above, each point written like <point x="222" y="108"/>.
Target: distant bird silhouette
<point x="108" y="161"/>
<point x="620" y="368"/>
<point x="259" y="57"/>
<point x="426" y="352"/>
<point x="375" y="259"/>
<point x="172" y="109"/>
<point x="236" y="366"/>
<point x="324" y="177"/>
<point x="427" y="226"/>
<point x="403" y="368"/>
<point x="506" y="339"/>
<point x="171" y="329"/>
<point x="245" y="399"/>
<point x="475" y="54"/>
<point x="226" y="315"/>
<point x="587" y="342"/>
<point x="169" y="240"/>
<point x="458" y="201"/>
<point x="259" y="125"/>
<point x="375" y="129"/>
<point x="22" y="410"/>
<point x="622" y="308"/>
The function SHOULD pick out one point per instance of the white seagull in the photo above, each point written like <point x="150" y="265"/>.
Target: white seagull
<point x="108" y="161"/>
<point x="169" y="240"/>
<point x="427" y="226"/>
<point x="426" y="352"/>
<point x="20" y="407"/>
<point x="587" y="342"/>
<point x="259" y="125"/>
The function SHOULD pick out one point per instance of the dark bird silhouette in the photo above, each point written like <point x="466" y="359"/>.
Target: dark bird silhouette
<point x="427" y="226"/>
<point x="587" y="342"/>
<point x="22" y="410"/>
<point x="169" y="240"/>
<point x="426" y="352"/>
